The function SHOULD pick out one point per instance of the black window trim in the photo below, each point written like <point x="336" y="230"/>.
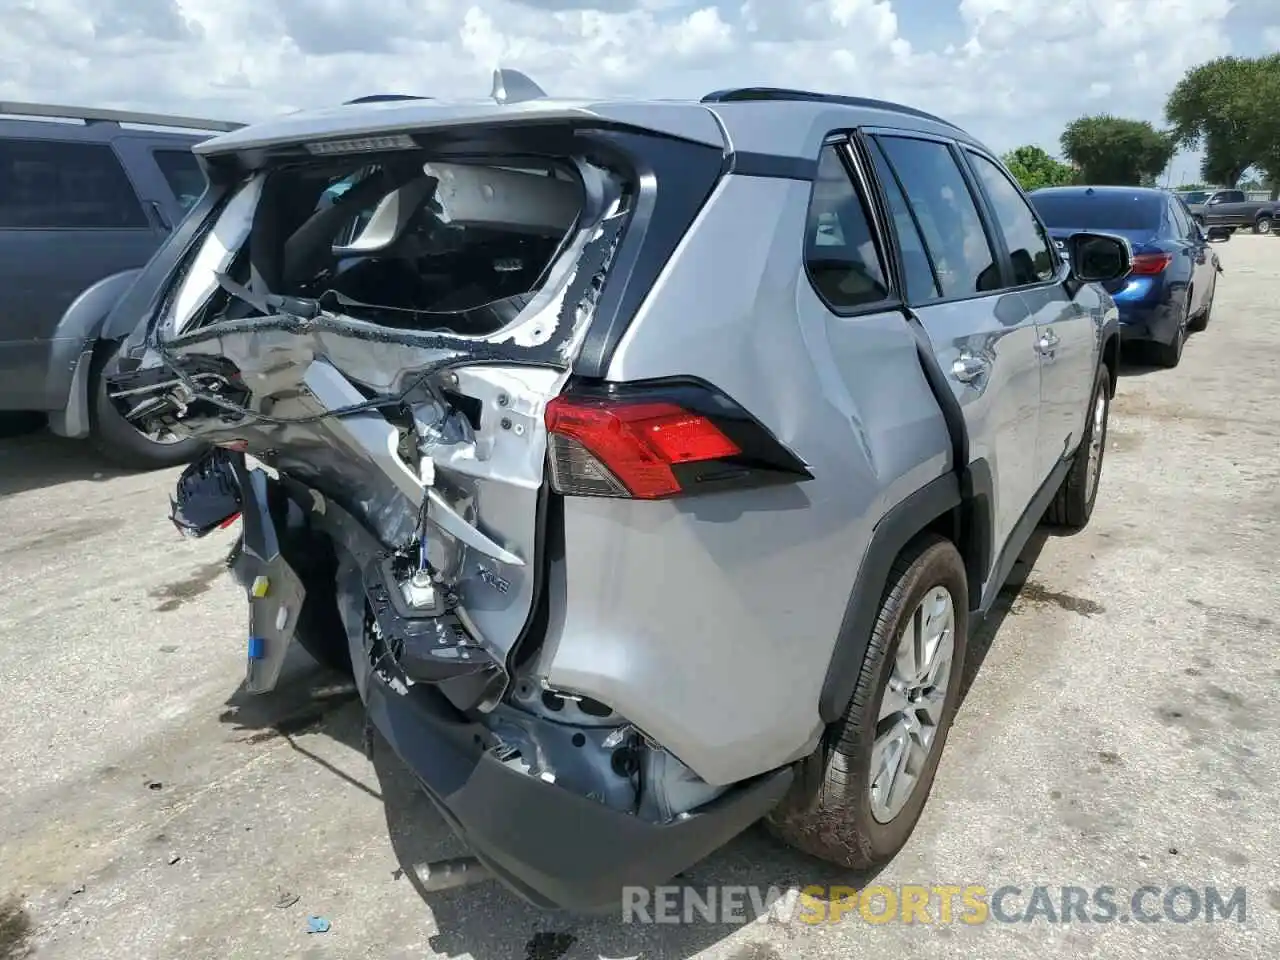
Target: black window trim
<point x="840" y="140"/>
<point x="144" y="226"/>
<point x="874" y="134"/>
<point x="1060" y="269"/>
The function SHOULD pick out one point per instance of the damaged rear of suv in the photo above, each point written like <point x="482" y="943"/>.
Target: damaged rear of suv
<point x="539" y="420"/>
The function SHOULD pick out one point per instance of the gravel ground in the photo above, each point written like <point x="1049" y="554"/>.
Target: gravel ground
<point x="1120" y="729"/>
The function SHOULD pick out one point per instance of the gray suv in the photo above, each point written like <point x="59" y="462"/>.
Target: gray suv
<point x="648" y="464"/>
<point x="88" y="196"/>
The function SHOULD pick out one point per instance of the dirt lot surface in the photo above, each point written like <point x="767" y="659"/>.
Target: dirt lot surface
<point x="1121" y="729"/>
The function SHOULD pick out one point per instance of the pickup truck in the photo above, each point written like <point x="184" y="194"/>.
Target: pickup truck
<point x="1230" y="208"/>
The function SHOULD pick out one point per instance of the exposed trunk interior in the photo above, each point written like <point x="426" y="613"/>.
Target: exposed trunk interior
<point x="397" y="240"/>
<point x="383" y="330"/>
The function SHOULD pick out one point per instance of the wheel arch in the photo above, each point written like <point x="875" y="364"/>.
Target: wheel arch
<point x="83" y="322"/>
<point x="955" y="506"/>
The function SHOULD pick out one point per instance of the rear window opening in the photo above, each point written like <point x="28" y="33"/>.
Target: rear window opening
<point x="401" y="240"/>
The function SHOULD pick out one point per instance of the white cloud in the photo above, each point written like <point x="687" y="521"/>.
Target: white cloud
<point x="1012" y="71"/>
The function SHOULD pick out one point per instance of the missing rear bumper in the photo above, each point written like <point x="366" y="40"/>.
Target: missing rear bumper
<point x="551" y="846"/>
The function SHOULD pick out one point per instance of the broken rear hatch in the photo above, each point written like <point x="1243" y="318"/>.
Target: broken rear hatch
<point x="382" y="319"/>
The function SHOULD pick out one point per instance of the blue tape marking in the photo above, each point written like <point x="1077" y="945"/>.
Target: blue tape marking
<point x="257" y="648"/>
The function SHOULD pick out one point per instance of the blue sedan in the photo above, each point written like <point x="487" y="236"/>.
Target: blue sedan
<point x="1170" y="291"/>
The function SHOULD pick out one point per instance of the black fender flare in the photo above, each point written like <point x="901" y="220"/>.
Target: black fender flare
<point x="81" y="325"/>
<point x="967" y="497"/>
<point x="965" y="493"/>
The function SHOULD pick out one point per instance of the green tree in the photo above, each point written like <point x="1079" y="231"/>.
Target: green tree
<point x="1227" y="107"/>
<point x="1115" y="150"/>
<point x="1035" y="168"/>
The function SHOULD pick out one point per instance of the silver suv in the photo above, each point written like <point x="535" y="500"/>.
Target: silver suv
<point x="648" y="464"/>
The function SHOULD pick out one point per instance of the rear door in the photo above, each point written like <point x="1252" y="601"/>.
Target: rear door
<point x="1066" y="340"/>
<point x="1193" y="249"/>
<point x="1226" y="207"/>
<point x="983" y="336"/>
<point x="69" y="216"/>
<point x="165" y="174"/>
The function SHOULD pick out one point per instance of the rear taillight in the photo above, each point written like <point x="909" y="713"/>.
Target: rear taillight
<point x="1149" y="264"/>
<point x="650" y="441"/>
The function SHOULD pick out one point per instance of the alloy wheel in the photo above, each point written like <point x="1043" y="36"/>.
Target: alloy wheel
<point x="1097" y="439"/>
<point x="912" y="705"/>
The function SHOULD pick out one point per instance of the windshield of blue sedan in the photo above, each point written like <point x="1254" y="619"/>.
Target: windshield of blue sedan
<point x="1080" y="211"/>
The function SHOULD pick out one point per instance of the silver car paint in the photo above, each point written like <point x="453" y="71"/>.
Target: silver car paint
<point x="689" y="122"/>
<point x="798" y="129"/>
<point x="709" y="623"/>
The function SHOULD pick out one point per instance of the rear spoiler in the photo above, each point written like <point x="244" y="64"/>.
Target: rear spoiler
<point x="90" y="115"/>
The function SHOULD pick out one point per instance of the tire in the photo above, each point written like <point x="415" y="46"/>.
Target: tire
<point x="118" y="441"/>
<point x="1169" y="355"/>
<point x="1262" y="225"/>
<point x="831" y="811"/>
<point x="1072" y="505"/>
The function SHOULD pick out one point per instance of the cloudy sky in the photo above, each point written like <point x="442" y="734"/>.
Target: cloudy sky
<point x="1012" y="71"/>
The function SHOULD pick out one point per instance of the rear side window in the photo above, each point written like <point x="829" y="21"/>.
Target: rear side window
<point x="1027" y="243"/>
<point x="916" y="268"/>
<point x="840" y="253"/>
<point x="183" y="174"/>
<point x="948" y="217"/>
<point x="51" y="185"/>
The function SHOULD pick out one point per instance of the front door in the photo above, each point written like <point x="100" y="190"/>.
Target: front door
<point x="982" y="334"/>
<point x="1225" y="208"/>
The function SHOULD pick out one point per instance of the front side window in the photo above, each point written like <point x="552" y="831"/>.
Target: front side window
<point x="939" y="197"/>
<point x="1029" y="247"/>
<point x="54" y="185"/>
<point x="840" y="252"/>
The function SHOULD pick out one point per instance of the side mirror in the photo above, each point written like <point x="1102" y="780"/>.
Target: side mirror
<point x="1099" y="257"/>
<point x="1219" y="233"/>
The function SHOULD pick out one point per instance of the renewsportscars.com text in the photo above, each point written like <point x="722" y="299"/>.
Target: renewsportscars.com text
<point x="972" y="904"/>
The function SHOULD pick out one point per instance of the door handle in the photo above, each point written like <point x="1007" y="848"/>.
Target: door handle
<point x="1047" y="343"/>
<point x="968" y="368"/>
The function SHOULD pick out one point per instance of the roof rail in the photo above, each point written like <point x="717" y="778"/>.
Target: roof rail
<point x="383" y="98"/>
<point x="756" y="94"/>
<point x="94" y="115"/>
